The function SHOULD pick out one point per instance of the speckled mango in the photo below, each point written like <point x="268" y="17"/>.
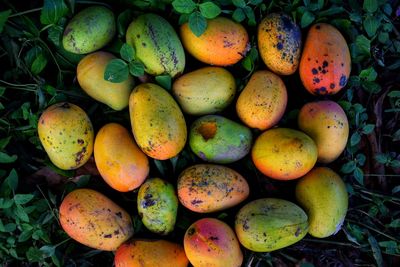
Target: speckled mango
<point x="157" y="122"/>
<point x="279" y="43"/>
<point x="89" y="30"/>
<point x="217" y="139"/>
<point x="156" y="44"/>
<point x="157" y="205"/>
<point x="92" y="219"/>
<point x="66" y="134"/>
<point x="325" y="62"/>
<point x="323" y="195"/>
<point x="90" y="75"/>
<point x="268" y="224"/>
<point x="150" y="253"/>
<point x="205" y="91"/>
<point x="326" y="123"/>
<point x="224" y="42"/>
<point x="210" y="188"/>
<point x="119" y="160"/>
<point x="209" y="242"/>
<point x="263" y="101"/>
<point x="284" y="154"/>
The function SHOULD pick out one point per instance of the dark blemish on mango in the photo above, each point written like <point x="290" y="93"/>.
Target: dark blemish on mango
<point x="148" y="202"/>
<point x="80" y="155"/>
<point x="65" y="105"/>
<point x="314" y="71"/>
<point x="119" y="214"/>
<point x="279" y="46"/>
<point x="137" y="35"/>
<point x="196" y="201"/>
<point x="332" y="86"/>
<point x="343" y="80"/>
<point x="245" y="225"/>
<point x="325" y="64"/>
<point x="316" y="80"/>
<point x="80" y="141"/>
<point x="191" y="231"/>
<point x="213" y="238"/>
<point x="144" y="44"/>
<point x="107" y="236"/>
<point x="42" y="121"/>
<point x="298" y="231"/>
<point x="207" y="130"/>
<point x="116" y="232"/>
<point x="318" y="27"/>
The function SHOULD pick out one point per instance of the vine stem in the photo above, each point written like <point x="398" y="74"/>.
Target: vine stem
<point x="373" y="229"/>
<point x="25" y="12"/>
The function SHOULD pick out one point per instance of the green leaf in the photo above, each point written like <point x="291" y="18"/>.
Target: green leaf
<point x="22" y="199"/>
<point x="250" y="15"/>
<point x="394" y="224"/>
<point x="52" y="11"/>
<point x="184" y="6"/>
<point x="370" y="5"/>
<point x="161" y="166"/>
<point x="5" y="158"/>
<point x="55" y="34"/>
<point x="255" y="2"/>
<point x="136" y="68"/>
<point x="382" y="158"/>
<point x="359" y="176"/>
<point x="3" y="18"/>
<point x="371" y="25"/>
<point x="368" y="128"/>
<point x="331" y="11"/>
<point x="21" y="214"/>
<point x="25" y="235"/>
<point x="363" y="44"/>
<point x="123" y="21"/>
<point x="197" y="23"/>
<point x="390" y="246"/>
<point x="239" y="3"/>
<point x="396" y="136"/>
<point x="395" y="163"/>
<point x="6" y="203"/>
<point x="394" y="93"/>
<point x="247" y="63"/>
<point x="48" y="250"/>
<point x="116" y="71"/>
<point x="165" y="81"/>
<point x="371" y="87"/>
<point x="387" y="8"/>
<point x="38" y="64"/>
<point x="34" y="255"/>
<point x="209" y="10"/>
<point x="2" y="90"/>
<point x="368" y="74"/>
<point x="383" y="37"/>
<point x="127" y="52"/>
<point x="348" y="167"/>
<point x="355" y="139"/>
<point x="376" y="251"/>
<point x="238" y="15"/>
<point x="396" y="189"/>
<point x="307" y="19"/>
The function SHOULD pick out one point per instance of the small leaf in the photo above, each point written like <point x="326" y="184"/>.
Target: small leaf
<point x="371" y="25"/>
<point x="376" y="251"/>
<point x="127" y="52"/>
<point x="359" y="175"/>
<point x="247" y="63"/>
<point x="123" y="21"/>
<point x="363" y="44"/>
<point x="369" y="74"/>
<point x="39" y="64"/>
<point x="395" y="164"/>
<point x="238" y="15"/>
<point x="382" y="158"/>
<point x="396" y="136"/>
<point x="368" y="128"/>
<point x="307" y="19"/>
<point x="5" y="158"/>
<point x="25" y="235"/>
<point x="331" y="11"/>
<point x="396" y="189"/>
<point x="22" y="199"/>
<point x="348" y="167"/>
<point x="370" y="5"/>
<point x="52" y="11"/>
<point x="165" y="81"/>
<point x="161" y="167"/>
<point x="239" y="3"/>
<point x="255" y="2"/>
<point x="3" y="18"/>
<point x="361" y="158"/>
<point x="21" y="214"/>
<point x="250" y="15"/>
<point x="116" y="71"/>
<point x="184" y="6"/>
<point x="387" y="8"/>
<point x="371" y="87"/>
<point x="136" y="68"/>
<point x="355" y="139"/>
<point x="394" y="224"/>
<point x="197" y="23"/>
<point x="209" y="10"/>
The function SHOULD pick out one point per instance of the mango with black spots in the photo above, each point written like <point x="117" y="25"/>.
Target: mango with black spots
<point x="89" y="30"/>
<point x="209" y="188"/>
<point x="279" y="43"/>
<point x="158" y="124"/>
<point x="94" y="220"/>
<point x="66" y="133"/>
<point x="216" y="139"/>
<point x="269" y="224"/>
<point x="157" y="45"/>
<point x="157" y="205"/>
<point x="323" y="195"/>
<point x="325" y="62"/>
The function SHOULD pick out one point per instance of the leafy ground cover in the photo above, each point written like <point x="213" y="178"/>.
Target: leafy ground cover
<point x="36" y="72"/>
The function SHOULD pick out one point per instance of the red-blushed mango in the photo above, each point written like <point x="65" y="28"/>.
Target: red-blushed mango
<point x="90" y="75"/>
<point x="325" y="62"/>
<point x="326" y="123"/>
<point x="284" y="154"/>
<point x="119" y="160"/>
<point x="323" y="195"/>
<point x="210" y="242"/>
<point x="263" y="101"/>
<point x="157" y="122"/>
<point x="279" y="43"/>
<point x="224" y="42"/>
<point x="210" y="188"/>
<point x="94" y="220"/>
<point x="205" y="91"/>
<point x="66" y="134"/>
<point x="150" y="253"/>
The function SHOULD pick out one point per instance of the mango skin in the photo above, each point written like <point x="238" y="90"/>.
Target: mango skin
<point x="89" y="30"/>
<point x="224" y="42"/>
<point x="279" y="43"/>
<point x="323" y="195"/>
<point x="119" y="160"/>
<point x="150" y="253"/>
<point x="90" y="74"/>
<point x="217" y="139"/>
<point x="92" y="219"/>
<point x="284" y="154"/>
<point x="211" y="242"/>
<point x="157" y="205"/>
<point x="157" y="122"/>
<point x="66" y="134"/>
<point x="209" y="188"/>
<point x="325" y="63"/>
<point x="263" y="101"/>
<point x="157" y="45"/>
<point x="268" y="224"/>
<point x="205" y="91"/>
<point x="326" y="123"/>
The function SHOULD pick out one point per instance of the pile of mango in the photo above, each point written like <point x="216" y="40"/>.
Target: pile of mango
<point x="159" y="131"/>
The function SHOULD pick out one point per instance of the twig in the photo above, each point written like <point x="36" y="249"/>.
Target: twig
<point x="373" y="229"/>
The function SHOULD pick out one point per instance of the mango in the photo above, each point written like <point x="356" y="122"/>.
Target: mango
<point x="210" y="188"/>
<point x="268" y="224"/>
<point x="325" y="62"/>
<point x="66" y="134"/>
<point x="284" y="154"/>
<point x="263" y="101"/>
<point x="217" y="139"/>
<point x="156" y="44"/>
<point x="90" y="75"/>
<point x="150" y="253"/>
<point x="119" y="160"/>
<point x="157" y="205"/>
<point x="279" y="43"/>
<point x="205" y="91"/>
<point x="326" y="123"/>
<point x="224" y="42"/>
<point x="210" y="242"/>
<point x="92" y="219"/>
<point x="89" y="30"/>
<point x="157" y="122"/>
<point x="323" y="195"/>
